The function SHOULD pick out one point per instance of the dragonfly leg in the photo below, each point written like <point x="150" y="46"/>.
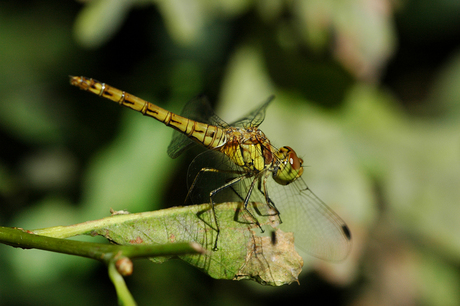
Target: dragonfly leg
<point x="263" y="191"/>
<point x="246" y="201"/>
<point x="269" y="202"/>
<point x="267" y="198"/>
<point x="195" y="180"/>
<point x="213" y="193"/>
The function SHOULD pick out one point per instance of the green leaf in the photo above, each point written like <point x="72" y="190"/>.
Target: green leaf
<point x="242" y="253"/>
<point x="99" y="20"/>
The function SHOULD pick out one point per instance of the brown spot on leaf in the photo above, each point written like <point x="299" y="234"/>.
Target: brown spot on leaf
<point x="138" y="240"/>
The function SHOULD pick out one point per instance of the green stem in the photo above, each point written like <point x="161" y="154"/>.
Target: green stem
<point x="124" y="296"/>
<point x="107" y="253"/>
<point x="98" y="251"/>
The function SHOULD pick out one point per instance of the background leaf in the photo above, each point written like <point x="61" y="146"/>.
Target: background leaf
<point x="241" y="254"/>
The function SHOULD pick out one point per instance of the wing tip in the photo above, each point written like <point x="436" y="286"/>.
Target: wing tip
<point x="346" y="231"/>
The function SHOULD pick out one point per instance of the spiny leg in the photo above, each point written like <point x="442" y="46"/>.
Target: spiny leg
<point x="245" y="208"/>
<point x="263" y="185"/>
<point x="246" y="201"/>
<point x="214" y="192"/>
<point x="202" y="170"/>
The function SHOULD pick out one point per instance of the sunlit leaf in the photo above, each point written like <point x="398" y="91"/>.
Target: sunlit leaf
<point x="99" y="20"/>
<point x="241" y="253"/>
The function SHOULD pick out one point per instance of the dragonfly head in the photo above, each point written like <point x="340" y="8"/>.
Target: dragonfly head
<point x="290" y="166"/>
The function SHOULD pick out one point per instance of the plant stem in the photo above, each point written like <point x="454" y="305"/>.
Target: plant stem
<point x="124" y="296"/>
<point x="98" y="251"/>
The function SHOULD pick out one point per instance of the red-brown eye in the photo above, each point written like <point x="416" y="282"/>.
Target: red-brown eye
<point x="295" y="162"/>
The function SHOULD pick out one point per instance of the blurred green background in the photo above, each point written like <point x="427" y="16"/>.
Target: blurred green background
<point x="367" y="93"/>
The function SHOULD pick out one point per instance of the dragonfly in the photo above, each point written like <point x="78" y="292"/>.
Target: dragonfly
<point x="255" y="171"/>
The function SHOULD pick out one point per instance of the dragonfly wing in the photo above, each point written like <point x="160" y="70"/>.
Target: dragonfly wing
<point x="179" y="143"/>
<point x="200" y="110"/>
<point x="197" y="109"/>
<point x="317" y="229"/>
<point x="256" y="117"/>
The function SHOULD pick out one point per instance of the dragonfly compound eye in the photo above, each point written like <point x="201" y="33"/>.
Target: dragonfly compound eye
<point x="289" y="168"/>
<point x="294" y="161"/>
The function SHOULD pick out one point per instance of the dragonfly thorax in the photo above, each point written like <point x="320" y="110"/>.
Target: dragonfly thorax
<point x="288" y="166"/>
<point x="248" y="148"/>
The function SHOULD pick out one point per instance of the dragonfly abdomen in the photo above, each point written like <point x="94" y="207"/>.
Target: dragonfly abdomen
<point x="208" y="135"/>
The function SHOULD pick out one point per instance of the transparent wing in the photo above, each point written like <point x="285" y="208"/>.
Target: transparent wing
<point x="200" y="110"/>
<point x="317" y="229"/>
<point x="197" y="109"/>
<point x="254" y="118"/>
